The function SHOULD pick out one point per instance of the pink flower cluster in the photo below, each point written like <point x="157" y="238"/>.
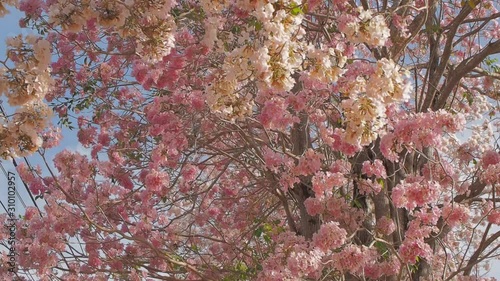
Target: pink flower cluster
<point x="456" y="214"/>
<point x="326" y="183"/>
<point x="494" y="217"/>
<point x="490" y="157"/>
<point x="329" y="237"/>
<point x="385" y="226"/>
<point x="418" y="131"/>
<point x="413" y="249"/>
<point x="309" y="163"/>
<point x="376" y="169"/>
<point x="354" y="259"/>
<point x="415" y="192"/>
<point x="274" y="115"/>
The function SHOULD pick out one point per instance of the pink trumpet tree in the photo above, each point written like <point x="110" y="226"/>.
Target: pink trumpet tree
<point x="257" y="139"/>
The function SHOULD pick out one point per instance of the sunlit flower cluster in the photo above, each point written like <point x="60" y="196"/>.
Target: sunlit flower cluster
<point x="364" y="118"/>
<point x="370" y="95"/>
<point x="68" y="15"/>
<point x="222" y="97"/>
<point x="367" y="28"/>
<point x="326" y="65"/>
<point x="388" y="82"/>
<point x="148" y="23"/>
<point x="269" y="65"/>
<point x="25" y="86"/>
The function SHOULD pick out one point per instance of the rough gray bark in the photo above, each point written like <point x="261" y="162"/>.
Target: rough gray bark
<point x="300" y="142"/>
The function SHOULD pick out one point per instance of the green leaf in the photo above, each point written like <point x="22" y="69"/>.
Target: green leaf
<point x="381" y="182"/>
<point x="382" y="249"/>
<point x="241" y="267"/>
<point x="195" y="248"/>
<point x="357" y="203"/>
<point x="258" y="231"/>
<point x="267" y="238"/>
<point x="267" y="227"/>
<point x="258" y="26"/>
<point x="236" y="29"/>
<point x="297" y="11"/>
<point x="468" y="97"/>
<point x="490" y="61"/>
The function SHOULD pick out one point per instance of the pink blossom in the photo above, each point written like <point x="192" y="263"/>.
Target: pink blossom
<point x="37" y="187"/>
<point x="369" y="186"/>
<point x="273" y="160"/>
<point x="455" y="214"/>
<point x="30" y="213"/>
<point x="494" y="217"/>
<point x="190" y="172"/>
<point x="413" y="193"/>
<point x="156" y="181"/>
<point x="340" y="166"/>
<point x="326" y="182"/>
<point x="341" y="145"/>
<point x="140" y="72"/>
<point x="274" y="115"/>
<point x="329" y="237"/>
<point x="376" y="169"/>
<point x="305" y="263"/>
<point x="411" y="249"/>
<point x="104" y="139"/>
<point x="314" y="206"/>
<point x="309" y="163"/>
<point x="490" y="157"/>
<point x="386" y="225"/>
<point x="86" y="135"/>
<point x="492" y="174"/>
